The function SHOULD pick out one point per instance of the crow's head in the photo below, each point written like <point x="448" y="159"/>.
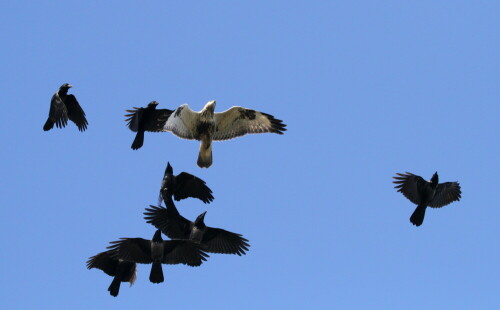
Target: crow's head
<point x="169" y="169"/>
<point x="435" y="178"/>
<point x="200" y="220"/>
<point x="65" y="87"/>
<point x="153" y="104"/>
<point x="157" y="237"/>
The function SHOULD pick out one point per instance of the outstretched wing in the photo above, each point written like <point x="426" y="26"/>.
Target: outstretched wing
<point x="216" y="240"/>
<point x="183" y="122"/>
<point x="58" y="112"/>
<point x="132" y="249"/>
<point x="103" y="261"/>
<point x="446" y="193"/>
<point x="183" y="252"/>
<point x="168" y="220"/>
<point x="410" y="186"/>
<point x="187" y="185"/>
<point x="75" y="112"/>
<point x="154" y="122"/>
<point x="238" y="121"/>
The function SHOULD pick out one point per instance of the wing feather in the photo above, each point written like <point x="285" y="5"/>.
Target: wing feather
<point x="168" y="220"/>
<point x="217" y="240"/>
<point x="239" y="121"/>
<point x="75" y="112"/>
<point x="103" y="261"/>
<point x="446" y="193"/>
<point x="132" y="249"/>
<point x="410" y="186"/>
<point x="183" y="252"/>
<point x="188" y="185"/>
<point x="154" y="122"/>
<point x="58" y="112"/>
<point x="183" y="122"/>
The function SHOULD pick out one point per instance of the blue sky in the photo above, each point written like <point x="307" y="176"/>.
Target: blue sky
<point x="367" y="89"/>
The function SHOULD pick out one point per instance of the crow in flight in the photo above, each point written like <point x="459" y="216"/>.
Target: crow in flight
<point x="157" y="252"/>
<point x="207" y="126"/>
<point x="426" y="193"/>
<point x="120" y="270"/>
<point x="183" y="185"/>
<point x="146" y="119"/>
<point x="212" y="240"/>
<point x="64" y="107"/>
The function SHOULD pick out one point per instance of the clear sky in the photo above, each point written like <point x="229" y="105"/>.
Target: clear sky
<point x="367" y="89"/>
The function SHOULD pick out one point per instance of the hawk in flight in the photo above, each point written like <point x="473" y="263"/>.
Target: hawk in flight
<point x="207" y="126"/>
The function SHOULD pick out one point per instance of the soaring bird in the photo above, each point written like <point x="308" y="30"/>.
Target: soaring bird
<point x="157" y="252"/>
<point x="426" y="193"/>
<point x="207" y="126"/>
<point x="212" y="240"/>
<point x="120" y="270"/>
<point x="183" y="185"/>
<point x="64" y="107"/>
<point x="146" y="119"/>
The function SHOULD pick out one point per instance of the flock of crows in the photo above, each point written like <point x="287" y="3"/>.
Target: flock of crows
<point x="192" y="240"/>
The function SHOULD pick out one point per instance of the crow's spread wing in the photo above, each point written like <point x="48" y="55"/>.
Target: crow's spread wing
<point x="154" y="121"/>
<point x="75" y="112"/>
<point x="58" y="112"/>
<point x="103" y="261"/>
<point x="132" y="249"/>
<point x="216" y="240"/>
<point x="410" y="186"/>
<point x="187" y="185"/>
<point x="446" y="193"/>
<point x="168" y="220"/>
<point x="183" y="252"/>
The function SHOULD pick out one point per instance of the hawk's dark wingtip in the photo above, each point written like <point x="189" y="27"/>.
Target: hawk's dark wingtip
<point x="277" y="125"/>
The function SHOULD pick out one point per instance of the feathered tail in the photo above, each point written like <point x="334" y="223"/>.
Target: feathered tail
<point x="417" y="218"/>
<point x="156" y="275"/>
<point x="205" y="155"/>
<point x="138" y="141"/>
<point x="114" y="288"/>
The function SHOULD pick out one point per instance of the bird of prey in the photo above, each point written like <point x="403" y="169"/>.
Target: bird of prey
<point x="146" y="119"/>
<point x="183" y="185"/>
<point x="207" y="126"/>
<point x="426" y="193"/>
<point x="157" y="252"/>
<point x="212" y="240"/>
<point x="120" y="270"/>
<point x="64" y="107"/>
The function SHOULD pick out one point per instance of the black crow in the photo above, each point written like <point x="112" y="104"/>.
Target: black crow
<point x="207" y="126"/>
<point x="157" y="252"/>
<point x="64" y="107"/>
<point x="120" y="270"/>
<point x="183" y="185"/>
<point x="426" y="193"/>
<point x="212" y="240"/>
<point x="146" y="119"/>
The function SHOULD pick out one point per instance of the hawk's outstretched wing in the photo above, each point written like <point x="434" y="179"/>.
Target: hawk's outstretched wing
<point x="238" y="121"/>
<point x="182" y="122"/>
